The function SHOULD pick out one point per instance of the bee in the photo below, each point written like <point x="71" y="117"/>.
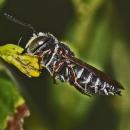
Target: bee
<point x="63" y="65"/>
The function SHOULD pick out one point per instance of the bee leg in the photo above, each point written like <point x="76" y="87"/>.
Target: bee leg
<point x="72" y="74"/>
<point x="56" y="70"/>
<point x="54" y="77"/>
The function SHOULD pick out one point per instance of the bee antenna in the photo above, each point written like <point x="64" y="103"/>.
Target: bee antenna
<point x="17" y="21"/>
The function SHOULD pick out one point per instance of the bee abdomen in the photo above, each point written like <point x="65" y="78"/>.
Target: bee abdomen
<point x="90" y="84"/>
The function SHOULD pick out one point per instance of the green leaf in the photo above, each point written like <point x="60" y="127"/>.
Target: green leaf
<point x="10" y="100"/>
<point x="25" y="63"/>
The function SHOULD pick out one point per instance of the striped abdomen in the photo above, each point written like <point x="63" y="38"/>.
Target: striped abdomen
<point x="93" y="82"/>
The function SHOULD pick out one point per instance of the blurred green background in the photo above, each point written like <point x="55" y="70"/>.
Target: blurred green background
<point x="99" y="33"/>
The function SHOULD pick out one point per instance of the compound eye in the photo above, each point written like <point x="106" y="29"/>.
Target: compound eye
<point x="36" y="43"/>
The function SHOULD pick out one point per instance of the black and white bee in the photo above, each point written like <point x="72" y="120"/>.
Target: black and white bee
<point x="63" y="65"/>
